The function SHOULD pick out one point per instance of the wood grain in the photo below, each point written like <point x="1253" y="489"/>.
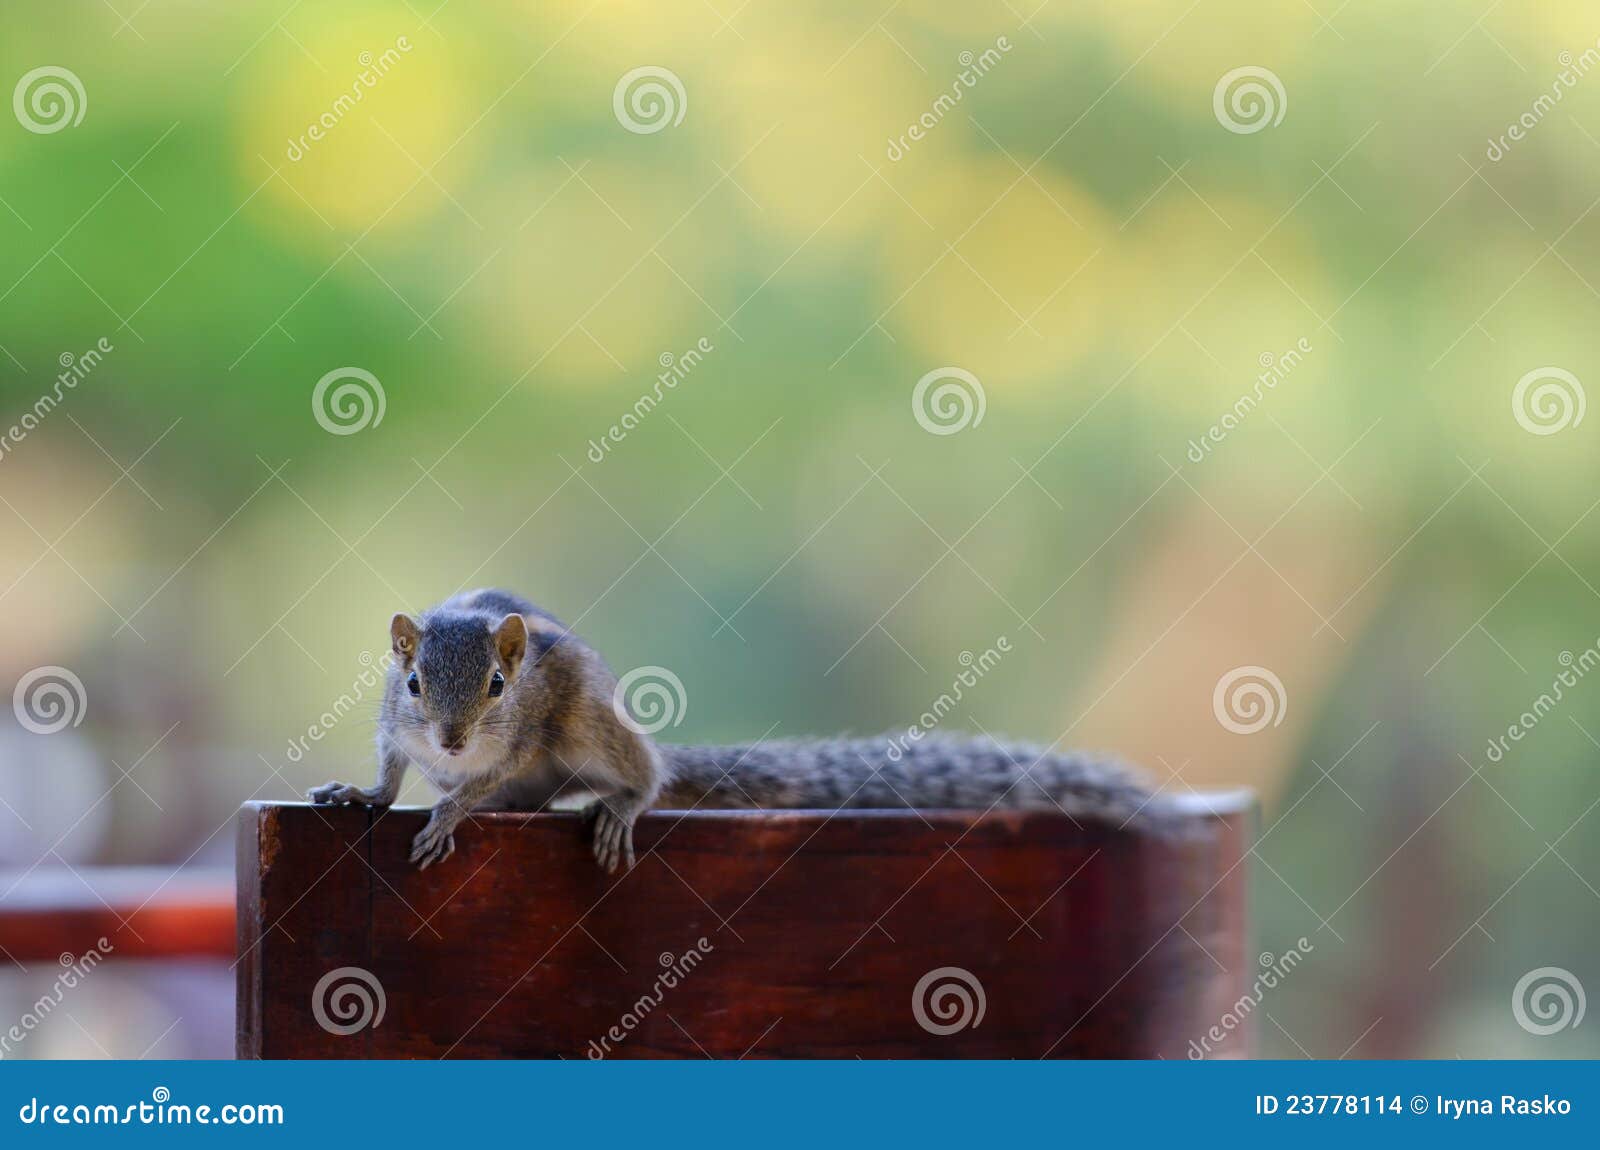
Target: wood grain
<point x="810" y="931"/>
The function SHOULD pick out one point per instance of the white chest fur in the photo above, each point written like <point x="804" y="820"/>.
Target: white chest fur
<point x="448" y="771"/>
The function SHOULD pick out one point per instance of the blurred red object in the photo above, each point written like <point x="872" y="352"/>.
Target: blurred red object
<point x="141" y="912"/>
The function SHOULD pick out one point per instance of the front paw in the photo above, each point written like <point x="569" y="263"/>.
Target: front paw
<point x="434" y="843"/>
<point x="340" y="793"/>
<point x="613" y="836"/>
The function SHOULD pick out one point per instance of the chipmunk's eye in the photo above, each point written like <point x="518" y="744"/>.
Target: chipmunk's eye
<point x="413" y="684"/>
<point x="497" y="684"/>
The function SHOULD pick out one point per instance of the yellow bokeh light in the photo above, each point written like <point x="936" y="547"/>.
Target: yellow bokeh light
<point x="351" y="123"/>
<point x="999" y="269"/>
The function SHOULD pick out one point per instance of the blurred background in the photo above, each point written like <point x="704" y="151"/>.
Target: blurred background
<point x="1094" y="240"/>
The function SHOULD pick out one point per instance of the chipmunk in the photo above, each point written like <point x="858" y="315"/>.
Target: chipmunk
<point x="501" y="706"/>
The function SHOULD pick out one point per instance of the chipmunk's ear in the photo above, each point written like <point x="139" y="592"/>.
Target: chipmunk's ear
<point x="404" y="635"/>
<point x="544" y="635"/>
<point x="511" y="641"/>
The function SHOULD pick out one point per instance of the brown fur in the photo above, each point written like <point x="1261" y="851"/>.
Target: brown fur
<point x="554" y="730"/>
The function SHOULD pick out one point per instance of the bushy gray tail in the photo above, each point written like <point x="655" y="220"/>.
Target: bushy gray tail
<point x="936" y="772"/>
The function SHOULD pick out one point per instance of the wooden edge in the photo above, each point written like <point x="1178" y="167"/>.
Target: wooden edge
<point x="250" y="859"/>
<point x="1165" y="868"/>
<point x="284" y="852"/>
<point x="1220" y="803"/>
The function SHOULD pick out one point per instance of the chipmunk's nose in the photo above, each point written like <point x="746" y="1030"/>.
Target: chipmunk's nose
<point x="453" y="742"/>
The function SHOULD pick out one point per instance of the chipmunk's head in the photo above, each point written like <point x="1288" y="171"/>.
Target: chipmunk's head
<point x="455" y="668"/>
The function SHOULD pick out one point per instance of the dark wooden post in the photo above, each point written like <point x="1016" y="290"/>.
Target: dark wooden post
<point x="790" y="934"/>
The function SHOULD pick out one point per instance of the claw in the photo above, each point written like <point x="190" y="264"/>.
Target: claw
<point x="338" y="794"/>
<point x="432" y="844"/>
<point x="439" y="851"/>
<point x="613" y="837"/>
